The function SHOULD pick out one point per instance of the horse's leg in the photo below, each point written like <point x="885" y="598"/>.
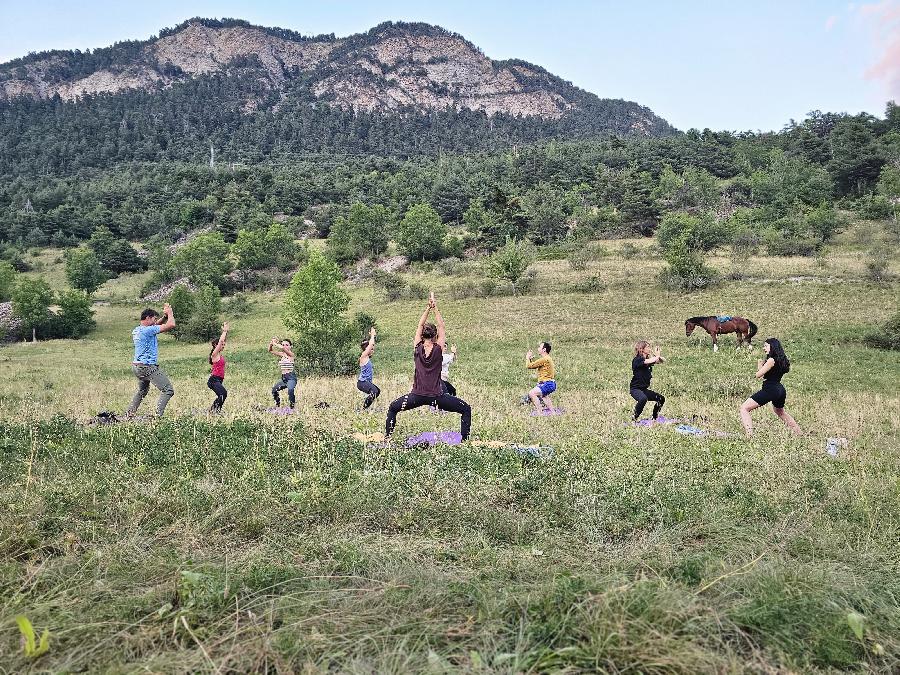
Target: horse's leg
<point x="715" y="341"/>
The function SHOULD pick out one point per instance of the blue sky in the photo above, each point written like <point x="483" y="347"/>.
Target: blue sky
<point x="736" y="65"/>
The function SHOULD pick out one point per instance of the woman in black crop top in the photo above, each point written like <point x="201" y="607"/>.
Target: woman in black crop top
<point x="770" y="370"/>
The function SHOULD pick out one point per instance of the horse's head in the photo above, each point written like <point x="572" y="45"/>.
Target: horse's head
<point x="689" y="327"/>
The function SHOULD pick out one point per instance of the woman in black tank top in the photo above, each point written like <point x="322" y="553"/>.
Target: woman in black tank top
<point x="770" y="370"/>
<point x="428" y="356"/>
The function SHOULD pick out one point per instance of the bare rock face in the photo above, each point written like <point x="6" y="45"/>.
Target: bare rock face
<point x="392" y="66"/>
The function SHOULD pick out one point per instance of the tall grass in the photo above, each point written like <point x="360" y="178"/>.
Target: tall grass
<point x="249" y="543"/>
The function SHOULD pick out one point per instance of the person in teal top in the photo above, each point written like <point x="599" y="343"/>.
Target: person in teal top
<point x="145" y="365"/>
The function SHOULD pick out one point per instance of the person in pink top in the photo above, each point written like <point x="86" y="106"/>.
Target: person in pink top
<point x="217" y="371"/>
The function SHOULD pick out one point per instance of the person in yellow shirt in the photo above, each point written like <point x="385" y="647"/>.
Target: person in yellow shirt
<point x="546" y="376"/>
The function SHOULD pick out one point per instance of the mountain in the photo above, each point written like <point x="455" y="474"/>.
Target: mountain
<point x="406" y="70"/>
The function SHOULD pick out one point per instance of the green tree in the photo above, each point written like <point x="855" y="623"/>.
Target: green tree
<point x="182" y="301"/>
<point x="203" y="260"/>
<point x="7" y="280"/>
<point x="512" y="261"/>
<point x="205" y="321"/>
<point x="251" y="250"/>
<point x="420" y="235"/>
<point x="122" y="257"/>
<point x="889" y="187"/>
<point x="83" y="270"/>
<point x="101" y="241"/>
<point x="701" y="233"/>
<point x="31" y="303"/>
<point x="545" y="215"/>
<point x="76" y="318"/>
<point x="282" y="246"/>
<point x="684" y="239"/>
<point x="363" y="232"/>
<point x="314" y="307"/>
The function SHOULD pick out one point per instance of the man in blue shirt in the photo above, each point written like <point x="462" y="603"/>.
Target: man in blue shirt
<point x="146" y="358"/>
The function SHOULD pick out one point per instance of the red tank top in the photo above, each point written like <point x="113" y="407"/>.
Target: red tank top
<point x="218" y="368"/>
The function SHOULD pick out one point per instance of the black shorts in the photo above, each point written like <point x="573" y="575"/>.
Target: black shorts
<point x="773" y="393"/>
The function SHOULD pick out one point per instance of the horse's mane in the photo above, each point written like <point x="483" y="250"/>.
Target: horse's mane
<point x="698" y="319"/>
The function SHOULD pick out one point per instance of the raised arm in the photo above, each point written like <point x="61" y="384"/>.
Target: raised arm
<point x="442" y="330"/>
<point x="656" y="358"/>
<point x="763" y="367"/>
<point x="220" y="345"/>
<point x="272" y="350"/>
<point x="418" y="338"/>
<point x="367" y="352"/>
<point x="169" y="322"/>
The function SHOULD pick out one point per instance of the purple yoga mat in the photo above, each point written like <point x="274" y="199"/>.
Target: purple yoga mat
<point x="435" y="437"/>
<point x="548" y="412"/>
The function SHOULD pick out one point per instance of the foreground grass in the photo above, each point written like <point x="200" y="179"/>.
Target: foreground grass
<point x="247" y="546"/>
<point x="249" y="543"/>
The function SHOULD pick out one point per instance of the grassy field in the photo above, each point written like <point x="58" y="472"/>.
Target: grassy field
<point x="253" y="543"/>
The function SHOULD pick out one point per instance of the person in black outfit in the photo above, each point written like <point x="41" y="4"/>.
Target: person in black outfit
<point x="428" y="351"/>
<point x="771" y="371"/>
<point x="642" y="371"/>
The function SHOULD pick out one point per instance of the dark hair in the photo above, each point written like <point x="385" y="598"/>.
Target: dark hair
<point x="429" y="331"/>
<point x="288" y="341"/>
<point x="364" y="345"/>
<point x="149" y="312"/>
<point x="213" y="342"/>
<point x="546" y="346"/>
<point x="776" y="353"/>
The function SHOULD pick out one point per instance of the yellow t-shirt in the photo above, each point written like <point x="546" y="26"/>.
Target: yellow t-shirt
<point x="546" y="371"/>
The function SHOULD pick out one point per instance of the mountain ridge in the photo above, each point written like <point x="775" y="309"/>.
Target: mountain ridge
<point x="393" y="67"/>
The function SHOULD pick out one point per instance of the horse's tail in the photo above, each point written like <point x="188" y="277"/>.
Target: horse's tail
<point x="753" y="330"/>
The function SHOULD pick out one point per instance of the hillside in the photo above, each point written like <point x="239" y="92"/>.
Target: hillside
<point x="208" y="77"/>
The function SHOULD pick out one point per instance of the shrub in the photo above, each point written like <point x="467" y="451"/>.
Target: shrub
<point x="239" y="304"/>
<point x="887" y="336"/>
<point x="450" y="267"/>
<point x="874" y="207"/>
<point x="694" y="279"/>
<point x="510" y="262"/>
<point x="416" y="291"/>
<point x="877" y="265"/>
<point x="579" y="256"/>
<point x="393" y="286"/>
<point x="787" y="244"/>
<point x="593" y="284"/>
<point x="487" y="288"/>
<point x="628" y="250"/>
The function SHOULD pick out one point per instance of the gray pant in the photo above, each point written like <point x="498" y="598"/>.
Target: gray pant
<point x="147" y="374"/>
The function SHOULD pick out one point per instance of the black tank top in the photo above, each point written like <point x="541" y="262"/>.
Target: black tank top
<point x="775" y="374"/>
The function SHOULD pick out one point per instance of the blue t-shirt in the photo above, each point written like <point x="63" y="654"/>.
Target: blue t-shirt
<point x="366" y="372"/>
<point x="146" y="349"/>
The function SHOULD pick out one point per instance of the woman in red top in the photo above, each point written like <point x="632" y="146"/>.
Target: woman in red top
<point x="428" y="352"/>
<point x="217" y="372"/>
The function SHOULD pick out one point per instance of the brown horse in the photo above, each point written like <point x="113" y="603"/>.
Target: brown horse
<point x="744" y="328"/>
